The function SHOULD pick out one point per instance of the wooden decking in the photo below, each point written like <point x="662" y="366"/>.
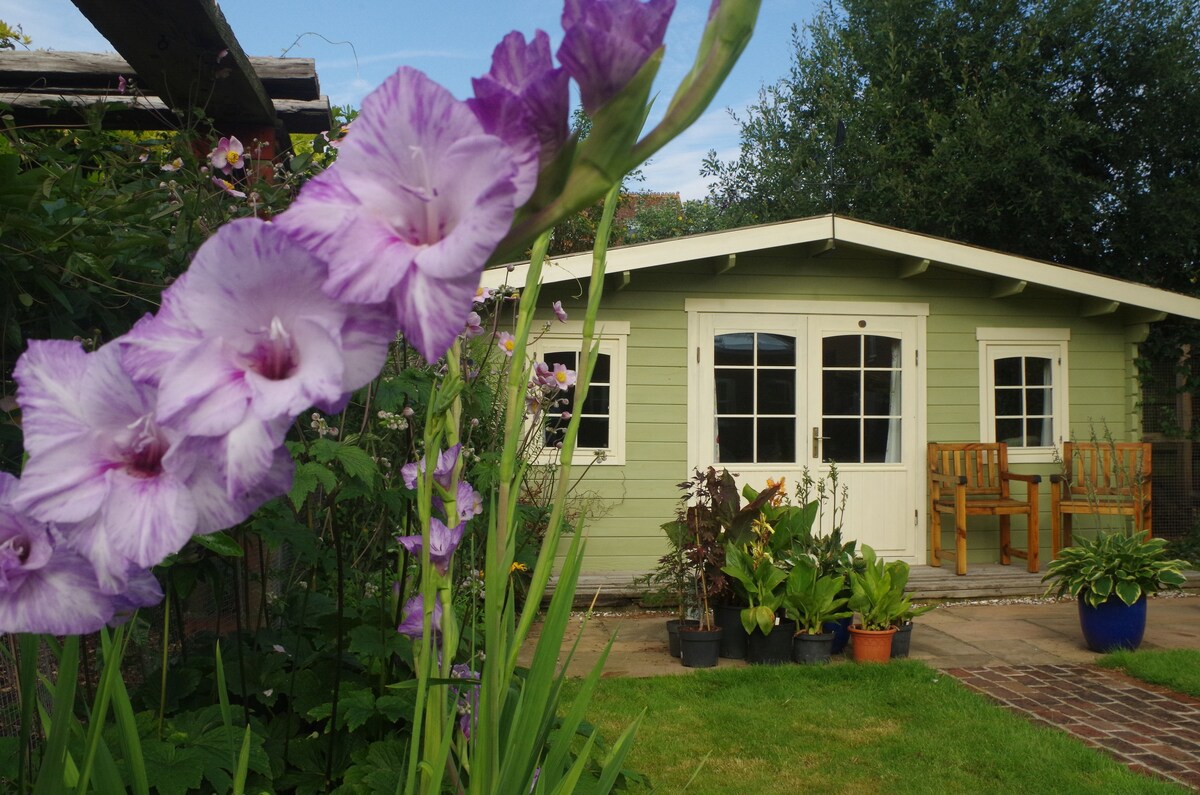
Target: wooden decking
<point x="982" y="581"/>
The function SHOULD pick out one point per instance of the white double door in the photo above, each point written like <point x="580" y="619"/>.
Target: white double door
<point x="774" y="394"/>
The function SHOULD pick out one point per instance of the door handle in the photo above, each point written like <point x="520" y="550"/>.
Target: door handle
<point x="817" y="438"/>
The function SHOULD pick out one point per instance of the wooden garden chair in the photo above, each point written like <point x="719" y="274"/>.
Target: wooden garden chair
<point x="1101" y="479"/>
<point x="972" y="479"/>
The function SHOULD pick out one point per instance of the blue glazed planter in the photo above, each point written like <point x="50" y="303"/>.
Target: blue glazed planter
<point x="841" y="633"/>
<point x="1113" y="625"/>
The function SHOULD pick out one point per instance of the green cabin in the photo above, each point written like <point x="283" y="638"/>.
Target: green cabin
<point x="775" y="348"/>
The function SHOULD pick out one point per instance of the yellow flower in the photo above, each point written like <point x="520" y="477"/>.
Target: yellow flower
<point x="517" y="566"/>
<point x="777" y="500"/>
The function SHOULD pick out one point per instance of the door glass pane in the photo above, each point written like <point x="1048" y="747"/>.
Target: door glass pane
<point x="881" y="393"/>
<point x="734" y="349"/>
<point x="841" y="442"/>
<point x="1010" y="431"/>
<point x="735" y="391"/>
<point x="878" y="435"/>
<point x="1037" y="401"/>
<point x="776" y="350"/>
<point x="776" y="391"/>
<point x="597" y="400"/>
<point x="842" y="351"/>
<point x="603" y="372"/>
<point x="735" y="440"/>
<point x="777" y="439"/>
<point x="1037" y="371"/>
<point x="840" y="392"/>
<point x="1008" y="402"/>
<point x="881" y="351"/>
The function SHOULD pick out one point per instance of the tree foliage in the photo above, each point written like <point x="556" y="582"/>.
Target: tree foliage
<point x="1056" y="129"/>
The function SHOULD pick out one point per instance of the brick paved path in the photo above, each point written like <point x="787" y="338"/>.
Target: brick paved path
<point x="1151" y="729"/>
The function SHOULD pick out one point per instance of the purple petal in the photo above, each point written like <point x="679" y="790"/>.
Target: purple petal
<point x="606" y="42"/>
<point x="432" y="195"/>
<point x="412" y="618"/>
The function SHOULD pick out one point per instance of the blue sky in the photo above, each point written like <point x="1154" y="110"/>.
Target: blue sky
<point x="358" y="43"/>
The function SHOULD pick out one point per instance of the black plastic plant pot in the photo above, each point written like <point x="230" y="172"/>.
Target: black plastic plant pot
<point x="673" y="634"/>
<point x="774" y="648"/>
<point x="699" y="648"/>
<point x="733" y="640"/>
<point x="812" y="649"/>
<point x="902" y="640"/>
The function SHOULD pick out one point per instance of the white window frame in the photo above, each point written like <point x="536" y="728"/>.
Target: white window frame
<point x="1050" y="343"/>
<point x="613" y="338"/>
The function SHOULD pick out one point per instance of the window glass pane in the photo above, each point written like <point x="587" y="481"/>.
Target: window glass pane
<point x="776" y="350"/>
<point x="1009" y="431"/>
<point x="1037" y="401"/>
<point x="603" y="372"/>
<point x="593" y="432"/>
<point x="560" y="357"/>
<point x="840" y="392"/>
<point x="735" y="440"/>
<point x="734" y="349"/>
<point x="878" y="441"/>
<point x="1039" y="432"/>
<point x="1008" y="371"/>
<point x="841" y="444"/>
<point x="881" y="351"/>
<point x="597" y="400"/>
<point x="881" y="392"/>
<point x="841" y="351"/>
<point x="1008" y="402"/>
<point x="777" y="440"/>
<point x="776" y="391"/>
<point x="1037" y="371"/>
<point x="735" y="391"/>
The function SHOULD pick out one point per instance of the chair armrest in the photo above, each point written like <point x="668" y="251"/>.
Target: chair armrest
<point x="1058" y="479"/>
<point x="1026" y="478"/>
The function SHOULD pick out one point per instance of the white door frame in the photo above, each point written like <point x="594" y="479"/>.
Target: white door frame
<point x="698" y="453"/>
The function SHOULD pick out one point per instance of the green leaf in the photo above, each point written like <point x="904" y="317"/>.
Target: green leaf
<point x="356" y="462"/>
<point x="220" y="543"/>
<point x="308" y="477"/>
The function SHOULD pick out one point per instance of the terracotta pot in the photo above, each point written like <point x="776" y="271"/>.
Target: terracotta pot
<point x="871" y="645"/>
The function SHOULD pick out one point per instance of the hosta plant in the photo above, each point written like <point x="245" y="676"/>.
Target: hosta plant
<point x="1128" y="566"/>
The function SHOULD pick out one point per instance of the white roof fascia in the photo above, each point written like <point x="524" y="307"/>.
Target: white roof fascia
<point x="893" y="241"/>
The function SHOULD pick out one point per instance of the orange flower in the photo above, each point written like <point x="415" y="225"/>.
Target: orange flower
<point x="777" y="500"/>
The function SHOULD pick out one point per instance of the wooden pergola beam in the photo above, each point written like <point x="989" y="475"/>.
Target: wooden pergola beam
<point x="185" y="53"/>
<point x="45" y="72"/>
<point x="129" y="112"/>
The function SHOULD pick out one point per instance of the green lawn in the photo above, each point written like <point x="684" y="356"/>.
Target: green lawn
<point x="1177" y="669"/>
<point x="896" y="728"/>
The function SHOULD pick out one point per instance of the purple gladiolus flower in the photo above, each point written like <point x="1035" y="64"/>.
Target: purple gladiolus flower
<point x="606" y="42"/>
<point x="415" y="205"/>
<point x="442" y="543"/>
<point x="469" y="501"/>
<point x="524" y="100"/>
<point x="441" y="471"/>
<point x="47" y="587"/>
<point x="246" y="340"/>
<point x="125" y="490"/>
<point x="559" y="312"/>
<point x="466" y="698"/>
<point x="411" y="617"/>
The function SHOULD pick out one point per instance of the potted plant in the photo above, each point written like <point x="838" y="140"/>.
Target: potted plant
<point x="833" y="556"/>
<point x="711" y="513"/>
<point x="1110" y="576"/>
<point x="813" y="601"/>
<point x="753" y="566"/>
<point x="877" y="595"/>
<point x="670" y="583"/>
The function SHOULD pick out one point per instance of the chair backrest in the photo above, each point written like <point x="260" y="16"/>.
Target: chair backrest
<point x="979" y="462"/>
<point x="1107" y="469"/>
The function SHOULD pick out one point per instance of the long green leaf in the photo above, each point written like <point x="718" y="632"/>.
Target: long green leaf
<point x="50" y="776"/>
<point x="27" y="673"/>
<point x="243" y="764"/>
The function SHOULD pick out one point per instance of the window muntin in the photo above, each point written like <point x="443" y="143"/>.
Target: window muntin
<point x="861" y="408"/>
<point x="602" y="417"/>
<point x="1023" y="390"/>
<point x="755" y="382"/>
<point x="595" y="413"/>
